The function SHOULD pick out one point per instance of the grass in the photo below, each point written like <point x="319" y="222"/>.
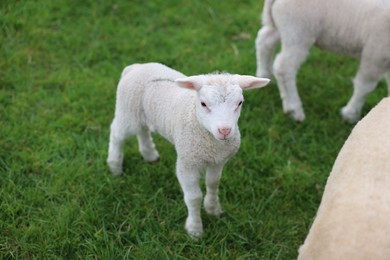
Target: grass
<point x="59" y="65"/>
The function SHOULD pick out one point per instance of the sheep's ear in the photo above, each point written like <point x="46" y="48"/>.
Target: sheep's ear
<point x="250" y="82"/>
<point x="193" y="82"/>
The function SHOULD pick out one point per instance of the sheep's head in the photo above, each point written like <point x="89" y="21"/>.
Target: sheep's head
<point x="219" y="100"/>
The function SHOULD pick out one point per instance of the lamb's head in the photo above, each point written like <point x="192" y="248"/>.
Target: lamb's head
<point x="219" y="100"/>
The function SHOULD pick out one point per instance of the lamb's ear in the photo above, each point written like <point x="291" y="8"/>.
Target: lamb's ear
<point x="250" y="82"/>
<point x="193" y="82"/>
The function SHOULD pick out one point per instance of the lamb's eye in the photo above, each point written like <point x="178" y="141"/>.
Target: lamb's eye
<point x="203" y="104"/>
<point x="239" y="104"/>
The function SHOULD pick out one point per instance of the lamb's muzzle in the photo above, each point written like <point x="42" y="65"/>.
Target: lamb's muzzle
<point x="224" y="132"/>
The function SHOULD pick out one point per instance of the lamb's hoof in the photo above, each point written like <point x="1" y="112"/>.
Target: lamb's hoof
<point x="115" y="168"/>
<point x="350" y="115"/>
<point x="294" y="110"/>
<point x="150" y="156"/>
<point x="154" y="161"/>
<point x="116" y="172"/>
<point x="194" y="229"/>
<point x="296" y="114"/>
<point x="213" y="209"/>
<point x="195" y="235"/>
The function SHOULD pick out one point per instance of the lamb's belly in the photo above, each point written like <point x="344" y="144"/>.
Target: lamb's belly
<point x="340" y="43"/>
<point x="166" y="132"/>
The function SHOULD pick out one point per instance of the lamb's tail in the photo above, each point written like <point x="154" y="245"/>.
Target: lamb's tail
<point x="266" y="15"/>
<point x="129" y="68"/>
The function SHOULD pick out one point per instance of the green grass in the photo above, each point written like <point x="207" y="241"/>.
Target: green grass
<point x="59" y="65"/>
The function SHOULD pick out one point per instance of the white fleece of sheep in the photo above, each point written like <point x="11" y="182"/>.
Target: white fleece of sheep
<point x="173" y="115"/>
<point x="352" y="221"/>
<point x="356" y="28"/>
<point x="198" y="114"/>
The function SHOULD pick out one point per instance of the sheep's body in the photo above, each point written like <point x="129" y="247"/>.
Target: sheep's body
<point x="357" y="28"/>
<point x="352" y="221"/>
<point x="205" y="137"/>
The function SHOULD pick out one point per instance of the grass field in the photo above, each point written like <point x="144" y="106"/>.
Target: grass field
<point x="60" y="62"/>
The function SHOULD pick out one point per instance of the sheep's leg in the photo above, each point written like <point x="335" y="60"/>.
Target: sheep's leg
<point x="189" y="182"/>
<point x="365" y="81"/>
<point x="146" y="146"/>
<point x="266" y="40"/>
<point x="115" y="148"/>
<point x="211" y="200"/>
<point x="285" y="68"/>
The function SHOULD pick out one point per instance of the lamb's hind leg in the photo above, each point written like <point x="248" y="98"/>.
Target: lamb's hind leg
<point x="266" y="40"/>
<point x="118" y="136"/>
<point x="365" y="81"/>
<point x="146" y="146"/>
<point x="285" y="67"/>
<point x="211" y="200"/>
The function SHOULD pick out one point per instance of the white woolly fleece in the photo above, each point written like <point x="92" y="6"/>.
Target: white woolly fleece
<point x="197" y="114"/>
<point x="360" y="29"/>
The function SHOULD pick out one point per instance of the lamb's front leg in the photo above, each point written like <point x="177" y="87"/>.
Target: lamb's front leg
<point x="211" y="200"/>
<point x="189" y="182"/>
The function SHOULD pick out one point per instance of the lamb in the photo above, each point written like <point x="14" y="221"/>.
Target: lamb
<point x="352" y="221"/>
<point x="197" y="114"/>
<point x="359" y="29"/>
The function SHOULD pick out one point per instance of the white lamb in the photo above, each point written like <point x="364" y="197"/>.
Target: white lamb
<point x="199" y="118"/>
<point x="360" y="29"/>
<point x="352" y="221"/>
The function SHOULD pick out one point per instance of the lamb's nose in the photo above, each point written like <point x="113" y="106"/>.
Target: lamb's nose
<point x="224" y="131"/>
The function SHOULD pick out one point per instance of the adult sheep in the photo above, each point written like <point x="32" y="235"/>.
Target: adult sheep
<point x="197" y="114"/>
<point x="352" y="221"/>
<point x="360" y="29"/>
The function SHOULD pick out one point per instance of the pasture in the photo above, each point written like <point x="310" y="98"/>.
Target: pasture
<point x="60" y="62"/>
